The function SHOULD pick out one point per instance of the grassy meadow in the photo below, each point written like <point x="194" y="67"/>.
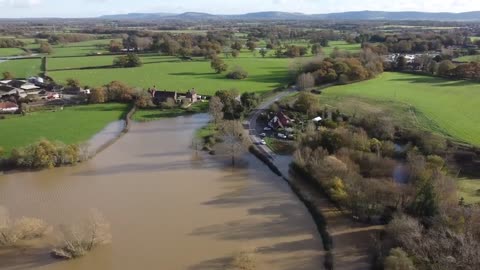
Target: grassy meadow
<point x="86" y="62"/>
<point x="168" y="72"/>
<point x="72" y="125"/>
<point x="22" y="68"/>
<point x="447" y="107"/>
<point x="11" y="52"/>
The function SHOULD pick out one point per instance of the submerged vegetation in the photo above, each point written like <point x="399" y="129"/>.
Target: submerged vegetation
<point x="73" y="241"/>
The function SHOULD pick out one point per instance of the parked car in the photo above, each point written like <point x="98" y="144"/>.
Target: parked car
<point x="263" y="135"/>
<point x="281" y="136"/>
<point x="263" y="142"/>
<point x="267" y="128"/>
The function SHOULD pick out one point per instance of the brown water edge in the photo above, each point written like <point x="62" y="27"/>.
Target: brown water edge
<point x="167" y="210"/>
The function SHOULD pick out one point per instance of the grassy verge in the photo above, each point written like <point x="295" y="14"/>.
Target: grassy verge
<point x="469" y="189"/>
<point x="145" y="115"/>
<point x="279" y="146"/>
<point x="71" y="125"/>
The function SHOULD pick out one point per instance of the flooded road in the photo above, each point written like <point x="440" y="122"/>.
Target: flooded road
<point x="167" y="210"/>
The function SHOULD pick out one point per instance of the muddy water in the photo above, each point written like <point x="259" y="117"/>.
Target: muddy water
<point x="167" y="210"/>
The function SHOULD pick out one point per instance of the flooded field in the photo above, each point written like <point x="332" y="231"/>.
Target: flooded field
<point x="167" y="209"/>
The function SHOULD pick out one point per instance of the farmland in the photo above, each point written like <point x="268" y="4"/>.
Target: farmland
<point x="168" y="72"/>
<point x="85" y="61"/>
<point x="71" y="125"/>
<point x="22" y="68"/>
<point x="10" y="52"/>
<point x="447" y="107"/>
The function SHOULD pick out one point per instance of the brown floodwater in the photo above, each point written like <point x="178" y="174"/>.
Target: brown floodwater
<point x="167" y="209"/>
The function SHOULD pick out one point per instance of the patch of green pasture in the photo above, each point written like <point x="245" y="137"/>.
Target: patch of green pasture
<point x="443" y="106"/>
<point x="468" y="58"/>
<point x="22" y="68"/>
<point x="71" y="125"/>
<point x="80" y="48"/>
<point x="11" y="51"/>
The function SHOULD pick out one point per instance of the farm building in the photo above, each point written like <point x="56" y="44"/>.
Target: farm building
<point x="8" y="107"/>
<point x="162" y="96"/>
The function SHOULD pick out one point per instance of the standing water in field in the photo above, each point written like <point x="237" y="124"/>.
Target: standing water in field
<point x="167" y="209"/>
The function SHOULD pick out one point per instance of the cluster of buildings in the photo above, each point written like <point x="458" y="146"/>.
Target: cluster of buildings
<point x="160" y="96"/>
<point x="11" y="91"/>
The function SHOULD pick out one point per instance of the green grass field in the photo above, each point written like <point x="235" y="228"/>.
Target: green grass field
<point x="343" y="46"/>
<point x="74" y="60"/>
<point x="11" y="51"/>
<point x="469" y="189"/>
<point x="80" y="48"/>
<point x="167" y="72"/>
<point x="448" y="107"/>
<point x="22" y="68"/>
<point x="72" y="125"/>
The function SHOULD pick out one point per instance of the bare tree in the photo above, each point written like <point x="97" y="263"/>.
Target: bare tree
<point x="234" y="143"/>
<point x="305" y="81"/>
<point x="216" y="109"/>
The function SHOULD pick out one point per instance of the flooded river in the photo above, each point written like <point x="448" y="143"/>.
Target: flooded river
<point x="167" y="210"/>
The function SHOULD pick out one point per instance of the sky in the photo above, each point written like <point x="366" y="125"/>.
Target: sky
<point x="94" y="8"/>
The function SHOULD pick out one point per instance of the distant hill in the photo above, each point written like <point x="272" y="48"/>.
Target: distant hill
<point x="276" y="15"/>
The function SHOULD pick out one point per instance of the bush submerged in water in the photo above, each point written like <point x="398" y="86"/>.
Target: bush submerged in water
<point x="78" y="239"/>
<point x="46" y="154"/>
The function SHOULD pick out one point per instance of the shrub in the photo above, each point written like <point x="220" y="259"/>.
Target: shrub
<point x="127" y="61"/>
<point x="144" y="100"/>
<point x="238" y="73"/>
<point x="46" y="154"/>
<point x="22" y="229"/>
<point x="398" y="260"/>
<point x="243" y="261"/>
<point x="78" y="239"/>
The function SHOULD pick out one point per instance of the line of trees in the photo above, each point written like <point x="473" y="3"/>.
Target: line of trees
<point x="11" y="43"/>
<point x="45" y="154"/>
<point x="417" y="43"/>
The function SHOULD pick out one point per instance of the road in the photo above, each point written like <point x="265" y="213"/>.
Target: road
<point x="254" y="131"/>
